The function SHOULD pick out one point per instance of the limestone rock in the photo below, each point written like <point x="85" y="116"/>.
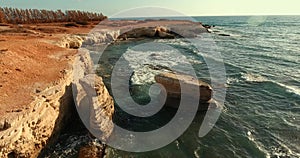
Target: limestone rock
<point x="161" y="29"/>
<point x="165" y="35"/>
<point x="24" y="133"/>
<point x="171" y="82"/>
<point x="71" y="41"/>
<point x="164" y="32"/>
<point x="91" y="151"/>
<point x="94" y="103"/>
<point x="101" y="36"/>
<point x="188" y="31"/>
<point x="141" y="32"/>
<point x="149" y="32"/>
<point x="95" y="106"/>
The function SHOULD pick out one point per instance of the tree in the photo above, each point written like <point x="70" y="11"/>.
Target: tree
<point x="18" y="16"/>
<point x="28" y="16"/>
<point x="13" y="15"/>
<point x="2" y="16"/>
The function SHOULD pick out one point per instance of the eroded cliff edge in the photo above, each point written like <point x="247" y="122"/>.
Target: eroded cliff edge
<point x="25" y="133"/>
<point x="26" y="127"/>
<point x="36" y="98"/>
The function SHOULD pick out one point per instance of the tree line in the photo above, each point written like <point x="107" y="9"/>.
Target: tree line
<point x="25" y="16"/>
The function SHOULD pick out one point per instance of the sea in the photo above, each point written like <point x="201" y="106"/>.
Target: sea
<point x="260" y="117"/>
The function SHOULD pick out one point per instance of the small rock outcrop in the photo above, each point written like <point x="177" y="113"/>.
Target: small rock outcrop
<point x="188" y="30"/>
<point x="148" y="32"/>
<point x="71" y="41"/>
<point x="101" y="36"/>
<point x="171" y="82"/>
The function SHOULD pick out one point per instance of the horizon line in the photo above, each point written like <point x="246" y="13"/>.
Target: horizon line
<point x="211" y="15"/>
<point x="199" y="15"/>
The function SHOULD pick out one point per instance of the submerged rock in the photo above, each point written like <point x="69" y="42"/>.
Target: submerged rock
<point x="171" y="82"/>
<point x="222" y="34"/>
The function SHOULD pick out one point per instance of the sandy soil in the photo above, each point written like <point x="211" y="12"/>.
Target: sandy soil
<point x="30" y="62"/>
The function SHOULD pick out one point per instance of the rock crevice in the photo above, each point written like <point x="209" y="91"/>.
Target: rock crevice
<point x="30" y="129"/>
<point x="25" y="133"/>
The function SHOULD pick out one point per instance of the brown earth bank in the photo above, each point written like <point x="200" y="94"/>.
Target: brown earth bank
<point x="36" y="76"/>
<point x="30" y="61"/>
<point x="34" y="86"/>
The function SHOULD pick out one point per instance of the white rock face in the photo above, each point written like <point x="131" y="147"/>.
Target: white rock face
<point x="96" y="107"/>
<point x="101" y="36"/>
<point x="94" y="104"/>
<point x="71" y="41"/>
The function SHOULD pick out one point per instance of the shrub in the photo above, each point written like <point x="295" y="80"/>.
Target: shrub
<point x="71" y="25"/>
<point x="82" y="22"/>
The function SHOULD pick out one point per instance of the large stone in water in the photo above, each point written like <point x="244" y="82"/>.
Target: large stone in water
<point x="171" y="82"/>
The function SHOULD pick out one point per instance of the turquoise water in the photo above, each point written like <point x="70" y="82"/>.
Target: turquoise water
<point x="261" y="117"/>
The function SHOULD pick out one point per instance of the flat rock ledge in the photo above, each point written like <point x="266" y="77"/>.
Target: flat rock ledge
<point x="148" y="32"/>
<point x="25" y="133"/>
<point x="172" y="83"/>
<point x="111" y="31"/>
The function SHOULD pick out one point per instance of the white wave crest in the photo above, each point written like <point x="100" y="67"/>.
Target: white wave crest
<point x="291" y="89"/>
<point x="253" y="77"/>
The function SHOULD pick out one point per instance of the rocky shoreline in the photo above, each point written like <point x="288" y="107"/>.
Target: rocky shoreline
<point x="28" y="127"/>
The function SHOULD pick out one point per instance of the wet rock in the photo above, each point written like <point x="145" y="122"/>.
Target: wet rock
<point x="207" y="26"/>
<point x="222" y="34"/>
<point x="158" y="67"/>
<point x="91" y="151"/>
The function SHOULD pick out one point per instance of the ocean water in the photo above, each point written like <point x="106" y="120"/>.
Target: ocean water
<point x="261" y="115"/>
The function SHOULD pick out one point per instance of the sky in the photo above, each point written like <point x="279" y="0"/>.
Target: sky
<point x="185" y="7"/>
